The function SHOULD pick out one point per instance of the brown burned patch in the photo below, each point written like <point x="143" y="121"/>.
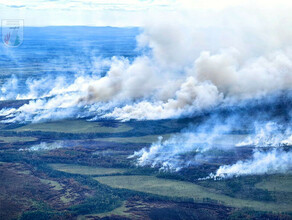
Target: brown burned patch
<point x="64" y="154"/>
<point x="137" y="208"/>
<point x="21" y="189"/>
<point x="172" y="210"/>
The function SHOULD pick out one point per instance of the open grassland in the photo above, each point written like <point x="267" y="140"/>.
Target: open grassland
<point x="174" y="188"/>
<point x="277" y="183"/>
<point x="73" y="126"/>
<point x="280" y="186"/>
<point x="15" y="139"/>
<point x="85" y="170"/>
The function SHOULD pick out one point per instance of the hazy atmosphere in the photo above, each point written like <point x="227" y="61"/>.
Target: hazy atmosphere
<point x="145" y="109"/>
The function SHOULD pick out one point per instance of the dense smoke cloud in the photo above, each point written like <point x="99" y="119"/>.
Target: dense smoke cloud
<point x="191" y="96"/>
<point x="190" y="62"/>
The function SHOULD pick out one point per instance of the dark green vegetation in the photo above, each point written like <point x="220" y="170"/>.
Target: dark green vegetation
<point x="91" y="177"/>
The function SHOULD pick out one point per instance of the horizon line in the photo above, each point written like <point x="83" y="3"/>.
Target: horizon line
<point x="108" y="26"/>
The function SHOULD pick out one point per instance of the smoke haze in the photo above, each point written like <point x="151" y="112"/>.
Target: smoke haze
<point x="188" y="63"/>
<point x="192" y="62"/>
<point x="269" y="135"/>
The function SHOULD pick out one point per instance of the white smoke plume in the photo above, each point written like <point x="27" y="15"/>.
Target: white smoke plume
<point x="44" y="146"/>
<point x="270" y="134"/>
<point x="198" y="145"/>
<point x="191" y="61"/>
<point x="262" y="162"/>
<point x="191" y="96"/>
